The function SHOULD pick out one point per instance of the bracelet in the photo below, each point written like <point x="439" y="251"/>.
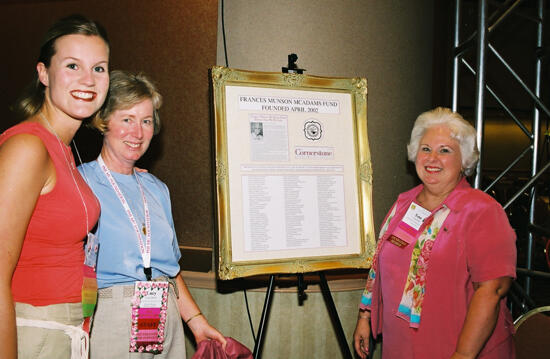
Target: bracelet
<point x="194" y="316"/>
<point x="364" y="316"/>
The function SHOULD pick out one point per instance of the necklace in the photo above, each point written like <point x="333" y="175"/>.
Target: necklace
<point x="71" y="168"/>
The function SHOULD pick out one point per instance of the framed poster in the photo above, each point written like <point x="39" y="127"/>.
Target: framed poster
<point x="293" y="173"/>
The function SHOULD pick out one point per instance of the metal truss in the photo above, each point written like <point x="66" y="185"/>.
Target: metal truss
<point x="479" y="43"/>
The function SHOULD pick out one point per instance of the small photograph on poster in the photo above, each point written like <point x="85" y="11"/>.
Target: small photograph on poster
<point x="268" y="138"/>
<point x="257" y="131"/>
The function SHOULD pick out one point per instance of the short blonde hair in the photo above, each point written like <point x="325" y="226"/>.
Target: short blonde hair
<point x="125" y="90"/>
<point x="461" y="131"/>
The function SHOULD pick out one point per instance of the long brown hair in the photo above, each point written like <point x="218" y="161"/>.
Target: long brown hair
<point x="32" y="99"/>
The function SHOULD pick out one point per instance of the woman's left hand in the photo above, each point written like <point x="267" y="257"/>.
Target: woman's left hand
<point x="202" y="330"/>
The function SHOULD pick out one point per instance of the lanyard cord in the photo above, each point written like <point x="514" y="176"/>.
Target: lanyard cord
<point x="70" y="169"/>
<point x="144" y="248"/>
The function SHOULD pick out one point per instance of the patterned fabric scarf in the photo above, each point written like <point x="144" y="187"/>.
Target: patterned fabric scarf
<point x="410" y="307"/>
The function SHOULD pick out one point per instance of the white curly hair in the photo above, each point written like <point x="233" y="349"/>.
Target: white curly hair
<point x="461" y="131"/>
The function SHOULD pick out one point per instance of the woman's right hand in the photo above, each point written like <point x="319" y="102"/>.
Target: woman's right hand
<point x="361" y="337"/>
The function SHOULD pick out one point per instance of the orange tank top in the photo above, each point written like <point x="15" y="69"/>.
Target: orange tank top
<point x="50" y="267"/>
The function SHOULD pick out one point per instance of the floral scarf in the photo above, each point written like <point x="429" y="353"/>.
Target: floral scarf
<point x="410" y="307"/>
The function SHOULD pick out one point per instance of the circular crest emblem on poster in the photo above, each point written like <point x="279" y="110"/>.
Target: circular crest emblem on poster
<point x="312" y="130"/>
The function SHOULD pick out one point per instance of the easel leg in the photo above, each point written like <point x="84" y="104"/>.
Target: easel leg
<point x="344" y="348"/>
<point x="263" y="320"/>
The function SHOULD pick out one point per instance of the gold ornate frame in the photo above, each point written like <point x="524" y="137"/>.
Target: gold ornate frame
<point x="339" y="108"/>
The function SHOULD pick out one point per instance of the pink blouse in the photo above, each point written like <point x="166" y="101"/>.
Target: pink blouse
<point x="476" y="244"/>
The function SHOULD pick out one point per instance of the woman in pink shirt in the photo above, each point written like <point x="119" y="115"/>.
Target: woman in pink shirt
<point x="445" y="259"/>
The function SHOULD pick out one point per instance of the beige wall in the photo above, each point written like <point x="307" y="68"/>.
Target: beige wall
<point x="389" y="43"/>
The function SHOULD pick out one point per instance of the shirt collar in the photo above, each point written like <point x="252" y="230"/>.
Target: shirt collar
<point x="455" y="201"/>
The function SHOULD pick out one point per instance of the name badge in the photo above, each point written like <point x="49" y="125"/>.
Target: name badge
<point x="407" y="230"/>
<point x="149" y="310"/>
<point x="90" y="251"/>
<point x="398" y="241"/>
<point x="415" y="216"/>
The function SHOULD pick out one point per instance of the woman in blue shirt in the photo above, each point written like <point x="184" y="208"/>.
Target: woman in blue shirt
<point x="139" y="254"/>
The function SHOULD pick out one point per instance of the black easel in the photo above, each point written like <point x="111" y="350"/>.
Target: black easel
<point x="325" y="290"/>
